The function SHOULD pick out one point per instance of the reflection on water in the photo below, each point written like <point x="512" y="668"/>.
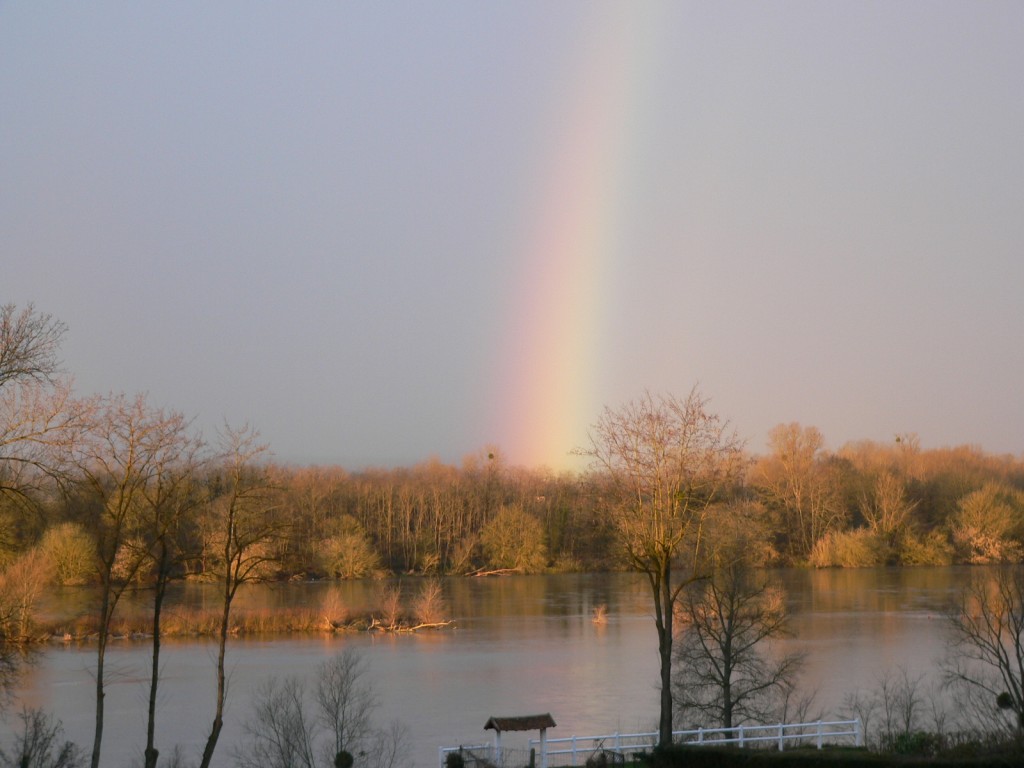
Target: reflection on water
<point x="521" y="645"/>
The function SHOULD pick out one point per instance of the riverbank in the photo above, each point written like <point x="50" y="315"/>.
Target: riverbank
<point x="206" y="623"/>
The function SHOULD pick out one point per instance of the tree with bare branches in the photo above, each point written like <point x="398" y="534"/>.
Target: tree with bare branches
<point x="39" y="418"/>
<point x="29" y="344"/>
<point x="168" y="501"/>
<point x="244" y="509"/>
<point x="664" y="463"/>
<point x="726" y="676"/>
<point x="284" y="732"/>
<point x="40" y="425"/>
<point x="41" y="744"/>
<point x="985" y="663"/>
<point x="797" y="482"/>
<point x="126" y="455"/>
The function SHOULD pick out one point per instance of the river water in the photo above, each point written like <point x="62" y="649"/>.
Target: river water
<point x="520" y="645"/>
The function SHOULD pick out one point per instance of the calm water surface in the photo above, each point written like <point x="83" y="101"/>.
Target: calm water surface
<point x="521" y="645"/>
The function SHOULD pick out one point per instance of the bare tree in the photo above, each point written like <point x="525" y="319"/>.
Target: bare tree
<point x="886" y="508"/>
<point x="29" y="343"/>
<point x="900" y="705"/>
<point x="312" y="497"/>
<point x="902" y="700"/>
<point x="41" y="744"/>
<point x="40" y="422"/>
<point x="985" y="662"/>
<point x="283" y="733"/>
<point x="21" y="584"/>
<point x="429" y="604"/>
<point x="796" y="481"/>
<point x="346" y="704"/>
<point x="40" y="425"/>
<point x="39" y="418"/>
<point x="168" y="499"/>
<point x="726" y="675"/>
<point x="247" y="528"/>
<point x="117" y="465"/>
<point x="665" y="463"/>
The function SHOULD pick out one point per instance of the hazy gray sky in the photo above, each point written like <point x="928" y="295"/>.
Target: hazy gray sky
<point x="384" y="231"/>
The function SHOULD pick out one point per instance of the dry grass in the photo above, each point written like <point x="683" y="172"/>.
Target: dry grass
<point x="182" y="624"/>
<point x="332" y="615"/>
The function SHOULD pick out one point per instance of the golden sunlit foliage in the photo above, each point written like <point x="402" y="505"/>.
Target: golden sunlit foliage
<point x="104" y="486"/>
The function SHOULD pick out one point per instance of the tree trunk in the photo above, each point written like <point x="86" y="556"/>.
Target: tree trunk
<point x="151" y="752"/>
<point x="101" y="652"/>
<point x="661" y="587"/>
<point x="726" y="702"/>
<point x="218" y="717"/>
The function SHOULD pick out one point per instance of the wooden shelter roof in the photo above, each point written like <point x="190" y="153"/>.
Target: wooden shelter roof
<point x="521" y="723"/>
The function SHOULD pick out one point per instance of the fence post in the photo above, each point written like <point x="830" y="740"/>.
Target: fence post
<point x="741" y="736"/>
<point x="700" y="735"/>
<point x="574" y="761"/>
<point x="819" y="734"/>
<point x="858" y="733"/>
<point x="781" y="738"/>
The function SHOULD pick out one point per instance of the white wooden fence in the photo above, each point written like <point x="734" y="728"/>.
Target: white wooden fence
<point x="574" y="750"/>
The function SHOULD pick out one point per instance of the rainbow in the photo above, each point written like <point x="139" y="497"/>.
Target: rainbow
<point x="549" y="388"/>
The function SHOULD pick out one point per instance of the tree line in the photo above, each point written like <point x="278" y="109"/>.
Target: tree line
<point x="116" y="492"/>
<point x="675" y="485"/>
<point x="865" y="504"/>
<point x="66" y="462"/>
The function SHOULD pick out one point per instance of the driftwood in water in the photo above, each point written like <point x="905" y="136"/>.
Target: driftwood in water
<point x="376" y="624"/>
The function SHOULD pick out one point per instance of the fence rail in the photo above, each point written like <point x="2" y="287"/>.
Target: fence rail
<point x="575" y="750"/>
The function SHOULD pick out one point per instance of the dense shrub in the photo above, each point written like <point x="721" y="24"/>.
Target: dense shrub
<point x="676" y="756"/>
<point x="849" y="549"/>
<point x="70" y="552"/>
<point x="349" y="554"/>
<point x="514" y="539"/>
<point x="986" y="525"/>
<point x="916" y="743"/>
<point x="21" y="585"/>
<point x="933" y="548"/>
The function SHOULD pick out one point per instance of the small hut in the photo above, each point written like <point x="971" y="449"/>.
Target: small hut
<point x="522" y="723"/>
